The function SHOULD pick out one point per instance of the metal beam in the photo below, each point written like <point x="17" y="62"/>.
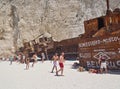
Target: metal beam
<point x="107" y="1"/>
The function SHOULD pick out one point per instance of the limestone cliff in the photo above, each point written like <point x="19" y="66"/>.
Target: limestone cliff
<point x="26" y="19"/>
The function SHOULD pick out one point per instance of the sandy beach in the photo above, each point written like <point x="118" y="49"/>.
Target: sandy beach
<point x="39" y="77"/>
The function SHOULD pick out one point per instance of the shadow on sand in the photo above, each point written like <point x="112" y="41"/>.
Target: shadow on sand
<point x="116" y="72"/>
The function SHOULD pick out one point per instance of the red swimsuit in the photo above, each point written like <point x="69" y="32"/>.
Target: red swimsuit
<point x="61" y="65"/>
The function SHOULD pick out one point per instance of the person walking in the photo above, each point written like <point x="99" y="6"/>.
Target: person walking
<point x="61" y="64"/>
<point x="27" y="61"/>
<point x="55" y="59"/>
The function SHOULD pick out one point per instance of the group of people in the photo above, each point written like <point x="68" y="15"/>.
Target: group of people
<point x="58" y="62"/>
<point x="24" y="58"/>
<point x="58" y="59"/>
<point x="34" y="59"/>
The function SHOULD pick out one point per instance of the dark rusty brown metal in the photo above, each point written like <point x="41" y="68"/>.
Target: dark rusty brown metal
<point x="107" y="1"/>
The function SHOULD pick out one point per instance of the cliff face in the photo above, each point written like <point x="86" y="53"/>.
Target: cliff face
<point x="26" y="19"/>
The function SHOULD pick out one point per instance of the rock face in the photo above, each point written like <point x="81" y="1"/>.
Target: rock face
<point x="26" y="19"/>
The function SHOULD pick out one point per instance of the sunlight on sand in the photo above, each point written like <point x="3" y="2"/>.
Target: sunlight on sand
<point x="39" y="77"/>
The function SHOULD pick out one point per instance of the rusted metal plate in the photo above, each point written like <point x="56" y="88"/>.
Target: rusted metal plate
<point x="91" y="49"/>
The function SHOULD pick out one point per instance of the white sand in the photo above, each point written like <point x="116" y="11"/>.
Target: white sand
<point x="39" y="77"/>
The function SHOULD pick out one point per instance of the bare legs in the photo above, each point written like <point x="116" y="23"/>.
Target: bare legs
<point x="10" y="62"/>
<point x="101" y="70"/>
<point x="42" y="60"/>
<point x="61" y="69"/>
<point x="54" y="67"/>
<point x="27" y="66"/>
<point x="34" y="61"/>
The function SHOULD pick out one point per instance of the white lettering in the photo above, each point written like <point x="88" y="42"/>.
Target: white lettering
<point x="88" y="64"/>
<point x="118" y="63"/>
<point x="96" y="42"/>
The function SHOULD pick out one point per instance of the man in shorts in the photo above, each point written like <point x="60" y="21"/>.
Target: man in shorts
<point x="55" y="59"/>
<point x="61" y="64"/>
<point x="103" y="64"/>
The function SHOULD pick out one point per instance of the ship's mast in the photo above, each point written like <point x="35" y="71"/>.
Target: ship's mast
<point x="108" y="8"/>
<point x="107" y="1"/>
